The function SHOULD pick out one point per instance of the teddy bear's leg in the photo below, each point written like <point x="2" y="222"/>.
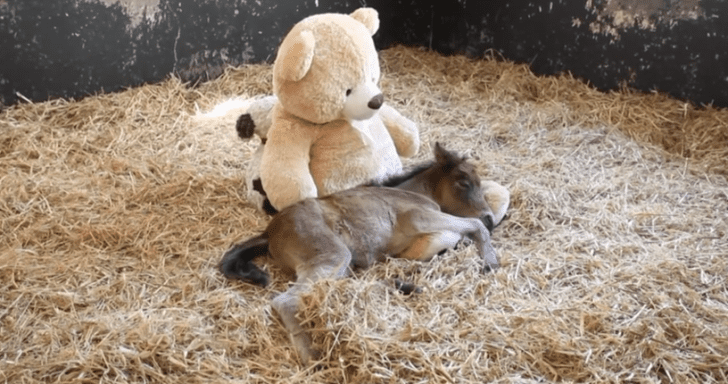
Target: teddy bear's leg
<point x="498" y="199"/>
<point x="255" y="193"/>
<point x="257" y="119"/>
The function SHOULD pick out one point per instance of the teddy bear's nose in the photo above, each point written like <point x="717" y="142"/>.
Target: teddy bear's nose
<point x="376" y="102"/>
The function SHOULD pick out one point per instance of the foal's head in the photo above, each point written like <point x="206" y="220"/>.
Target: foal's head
<point x="456" y="187"/>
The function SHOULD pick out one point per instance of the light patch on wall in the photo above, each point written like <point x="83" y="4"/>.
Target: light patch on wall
<point x="136" y="9"/>
<point x="614" y="16"/>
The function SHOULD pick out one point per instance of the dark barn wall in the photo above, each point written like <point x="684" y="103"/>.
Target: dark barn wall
<point x="679" y="47"/>
<point x="648" y="45"/>
<point x="72" y="48"/>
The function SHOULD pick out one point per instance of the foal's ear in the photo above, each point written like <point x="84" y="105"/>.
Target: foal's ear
<point x="445" y="157"/>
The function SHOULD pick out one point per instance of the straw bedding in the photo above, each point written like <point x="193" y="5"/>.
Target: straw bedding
<point x="116" y="209"/>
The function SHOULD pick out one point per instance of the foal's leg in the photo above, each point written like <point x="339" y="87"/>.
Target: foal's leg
<point x="286" y="305"/>
<point x="434" y="231"/>
<point x="424" y="247"/>
<point x="332" y="262"/>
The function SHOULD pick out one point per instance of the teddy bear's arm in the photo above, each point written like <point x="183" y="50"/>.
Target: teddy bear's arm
<point x="257" y="119"/>
<point x="404" y="131"/>
<point x="284" y="168"/>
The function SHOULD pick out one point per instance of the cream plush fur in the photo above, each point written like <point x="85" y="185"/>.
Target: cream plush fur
<point x="327" y="128"/>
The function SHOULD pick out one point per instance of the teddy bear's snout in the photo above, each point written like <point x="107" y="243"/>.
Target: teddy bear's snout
<point x="376" y="102"/>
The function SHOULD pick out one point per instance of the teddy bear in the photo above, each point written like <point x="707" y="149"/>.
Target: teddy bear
<point x="327" y="127"/>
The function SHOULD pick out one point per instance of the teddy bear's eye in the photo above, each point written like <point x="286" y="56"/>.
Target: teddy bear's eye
<point x="348" y="92"/>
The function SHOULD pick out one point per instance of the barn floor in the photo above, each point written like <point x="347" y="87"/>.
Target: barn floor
<point x="115" y="210"/>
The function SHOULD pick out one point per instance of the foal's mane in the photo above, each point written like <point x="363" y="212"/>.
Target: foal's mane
<point x="447" y="160"/>
<point x="396" y="180"/>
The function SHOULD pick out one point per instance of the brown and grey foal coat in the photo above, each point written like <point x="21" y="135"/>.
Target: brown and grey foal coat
<point x="430" y="211"/>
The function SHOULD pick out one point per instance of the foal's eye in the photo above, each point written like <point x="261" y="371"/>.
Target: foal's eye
<point x="348" y="92"/>
<point x="463" y="184"/>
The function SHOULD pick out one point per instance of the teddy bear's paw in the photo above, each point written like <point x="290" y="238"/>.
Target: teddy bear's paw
<point x="245" y="126"/>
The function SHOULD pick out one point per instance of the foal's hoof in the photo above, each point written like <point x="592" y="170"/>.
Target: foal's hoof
<point x="309" y="356"/>
<point x="487" y="268"/>
<point x="406" y="288"/>
<point x="488" y="222"/>
<point x="306" y="352"/>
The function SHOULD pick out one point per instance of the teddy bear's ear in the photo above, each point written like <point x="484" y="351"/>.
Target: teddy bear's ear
<point x="369" y="17"/>
<point x="295" y="56"/>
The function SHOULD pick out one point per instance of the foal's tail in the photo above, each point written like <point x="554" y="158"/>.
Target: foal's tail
<point x="237" y="263"/>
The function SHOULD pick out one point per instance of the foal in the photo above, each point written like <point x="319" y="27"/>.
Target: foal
<point x="326" y="237"/>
